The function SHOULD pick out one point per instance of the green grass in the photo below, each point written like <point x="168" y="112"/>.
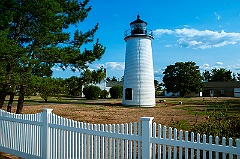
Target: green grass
<point x="182" y="124"/>
<point x="205" y="106"/>
<point x="37" y="100"/>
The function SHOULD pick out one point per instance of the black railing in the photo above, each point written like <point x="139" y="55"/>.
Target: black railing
<point x="138" y="32"/>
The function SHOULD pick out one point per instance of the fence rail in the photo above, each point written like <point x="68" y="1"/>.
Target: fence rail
<point x="46" y="135"/>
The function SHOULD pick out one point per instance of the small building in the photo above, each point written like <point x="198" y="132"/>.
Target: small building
<point x="221" y="89"/>
<point x="192" y="94"/>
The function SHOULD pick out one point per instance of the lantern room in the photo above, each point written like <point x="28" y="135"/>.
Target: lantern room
<point x="138" y="26"/>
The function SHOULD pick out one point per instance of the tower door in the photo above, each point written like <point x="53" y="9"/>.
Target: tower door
<point x="128" y="94"/>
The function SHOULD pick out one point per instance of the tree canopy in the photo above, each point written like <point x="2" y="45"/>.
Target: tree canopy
<point x="34" y="39"/>
<point x="183" y="77"/>
<point x="218" y="75"/>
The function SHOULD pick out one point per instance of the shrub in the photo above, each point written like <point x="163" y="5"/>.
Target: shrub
<point x="116" y="91"/>
<point x="220" y="124"/>
<point x="104" y="94"/>
<point x="92" y="92"/>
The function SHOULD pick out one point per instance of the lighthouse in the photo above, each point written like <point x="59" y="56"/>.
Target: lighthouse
<point x="138" y="85"/>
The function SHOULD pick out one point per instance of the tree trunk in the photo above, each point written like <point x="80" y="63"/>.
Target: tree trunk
<point x="3" y="94"/>
<point x="21" y="99"/>
<point x="10" y="102"/>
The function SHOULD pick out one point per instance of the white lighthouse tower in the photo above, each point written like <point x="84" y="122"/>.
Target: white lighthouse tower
<point x="138" y="86"/>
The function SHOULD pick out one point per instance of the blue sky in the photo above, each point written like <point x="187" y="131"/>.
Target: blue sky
<point x="206" y="32"/>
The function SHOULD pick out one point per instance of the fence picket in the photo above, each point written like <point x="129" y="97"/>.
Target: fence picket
<point x="117" y="143"/>
<point x="139" y="142"/>
<point x="198" y="141"/>
<point x="186" y="140"/>
<point x="126" y="146"/>
<point x="238" y="147"/>
<point x="224" y="145"/>
<point x="135" y="142"/>
<point x="164" y="138"/>
<point x="154" y="136"/>
<point x="113" y="142"/>
<point x="130" y="142"/>
<point x="106" y="141"/>
<point x="180" y="147"/>
<point x="159" y="145"/>
<point x="216" y="143"/>
<point x="210" y="151"/>
<point x="169" y="146"/>
<point x="95" y="142"/>
<point x="175" y="147"/>
<point x="230" y="145"/>
<point x="192" y="140"/>
<point x="204" y="143"/>
<point x="110" y="142"/>
<point x="122" y="142"/>
<point x="85" y="142"/>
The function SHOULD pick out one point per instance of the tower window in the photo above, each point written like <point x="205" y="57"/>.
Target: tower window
<point x="128" y="93"/>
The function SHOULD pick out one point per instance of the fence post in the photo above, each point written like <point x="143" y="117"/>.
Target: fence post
<point x="146" y="134"/>
<point x="45" y="134"/>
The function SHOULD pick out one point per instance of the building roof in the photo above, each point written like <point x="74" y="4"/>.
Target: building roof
<point x="114" y="83"/>
<point x="232" y="84"/>
<point x="138" y="20"/>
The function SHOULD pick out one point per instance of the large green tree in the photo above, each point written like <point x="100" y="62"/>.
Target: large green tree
<point x="218" y="75"/>
<point x="37" y="31"/>
<point x="183" y="77"/>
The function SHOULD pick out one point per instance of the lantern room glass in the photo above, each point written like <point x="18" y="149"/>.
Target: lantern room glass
<point x="138" y="28"/>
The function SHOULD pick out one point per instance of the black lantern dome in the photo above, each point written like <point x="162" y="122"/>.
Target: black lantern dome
<point x="138" y="26"/>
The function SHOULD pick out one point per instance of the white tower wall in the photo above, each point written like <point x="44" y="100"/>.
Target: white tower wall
<point x="138" y="74"/>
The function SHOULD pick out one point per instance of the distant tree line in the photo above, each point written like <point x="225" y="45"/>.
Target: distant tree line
<point x="220" y="75"/>
<point x="185" y="77"/>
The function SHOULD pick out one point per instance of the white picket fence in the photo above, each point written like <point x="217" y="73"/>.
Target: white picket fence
<point x="46" y="135"/>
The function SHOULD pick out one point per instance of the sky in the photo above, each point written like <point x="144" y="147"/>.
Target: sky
<point x="206" y="32"/>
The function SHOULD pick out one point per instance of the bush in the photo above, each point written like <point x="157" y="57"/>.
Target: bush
<point x="220" y="124"/>
<point x="104" y="94"/>
<point x="116" y="91"/>
<point x="92" y="92"/>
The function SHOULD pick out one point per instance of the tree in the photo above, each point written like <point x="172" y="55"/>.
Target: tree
<point x="50" y="87"/>
<point x="238" y="76"/>
<point x="218" y="75"/>
<point x="206" y="75"/>
<point x="97" y="75"/>
<point x="74" y="84"/>
<point x="9" y="74"/>
<point x="122" y="78"/>
<point x="183" y="77"/>
<point x="108" y="79"/>
<point x="92" y="77"/>
<point x="38" y="28"/>
<point x="157" y="85"/>
<point x="114" y="78"/>
<point x="92" y="92"/>
<point x="116" y="91"/>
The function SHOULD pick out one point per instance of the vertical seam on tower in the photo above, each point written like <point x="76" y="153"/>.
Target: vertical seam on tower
<point x="139" y="52"/>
